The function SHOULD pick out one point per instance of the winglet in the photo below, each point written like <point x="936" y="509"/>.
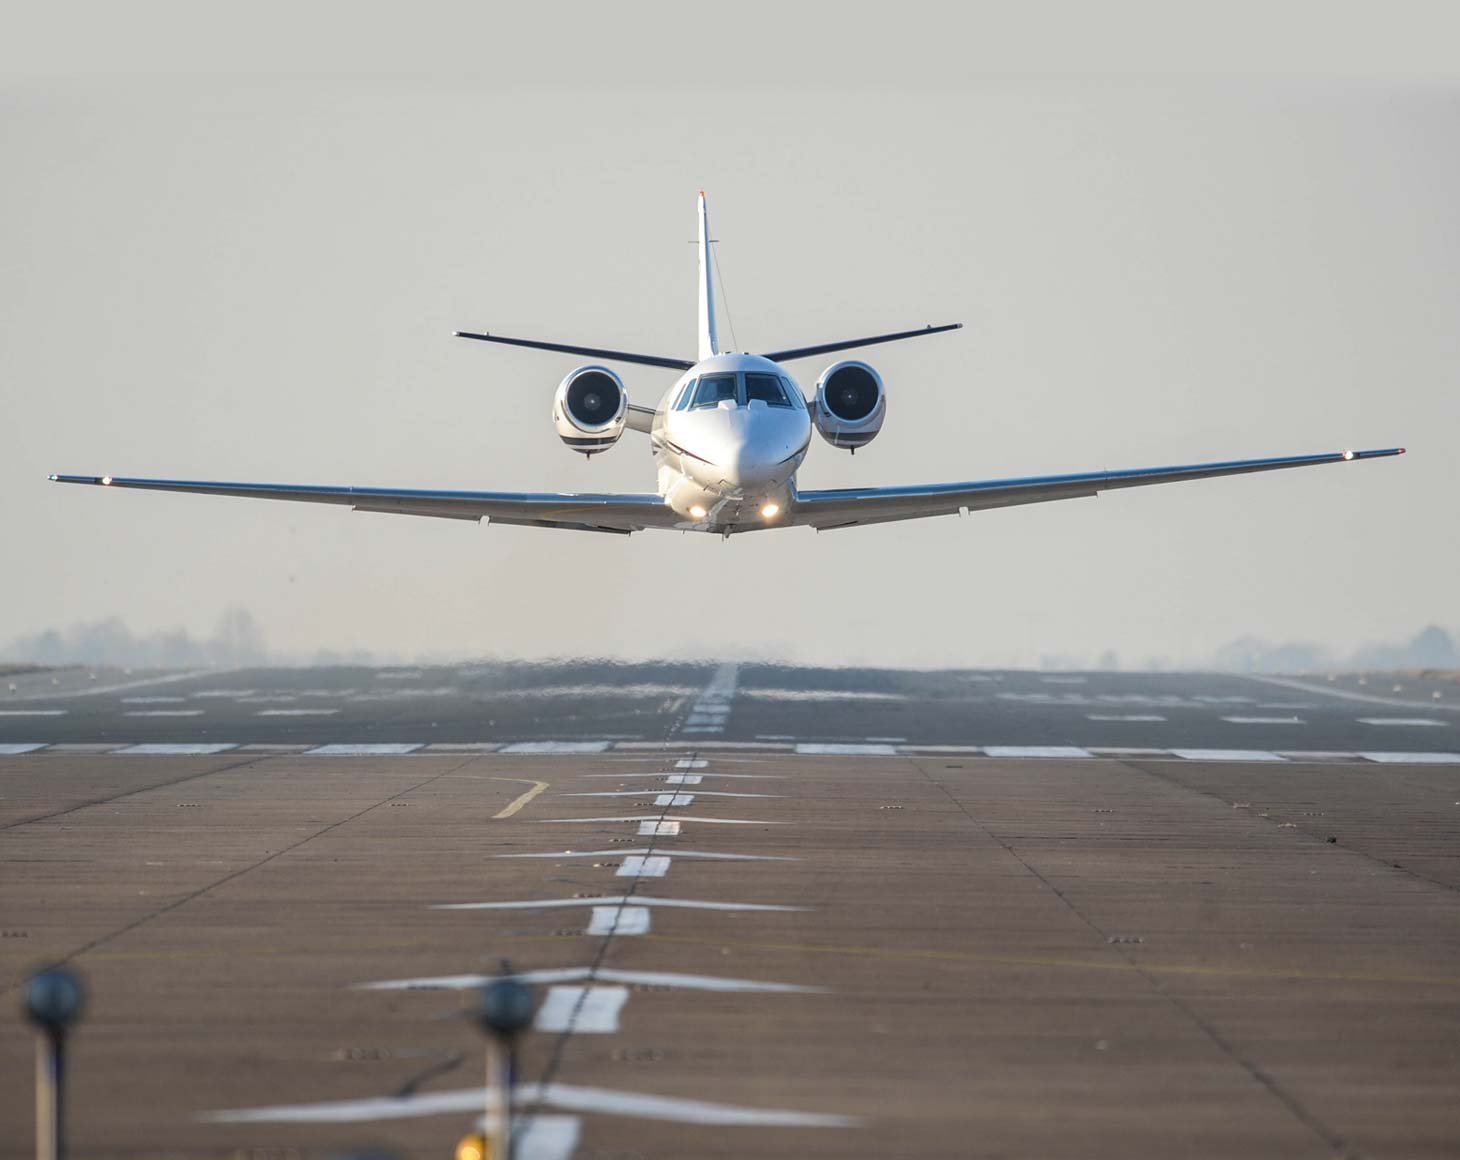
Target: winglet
<point x="707" y="342"/>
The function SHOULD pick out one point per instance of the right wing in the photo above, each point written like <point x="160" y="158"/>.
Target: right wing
<point x="648" y="360"/>
<point x="620" y="514"/>
<point x="850" y="507"/>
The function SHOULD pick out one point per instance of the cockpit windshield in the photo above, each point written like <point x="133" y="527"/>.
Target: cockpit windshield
<point x="714" y="389"/>
<point x="766" y="388"/>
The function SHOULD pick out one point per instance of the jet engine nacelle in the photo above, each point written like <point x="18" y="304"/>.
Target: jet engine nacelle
<point x="850" y="404"/>
<point x="590" y="408"/>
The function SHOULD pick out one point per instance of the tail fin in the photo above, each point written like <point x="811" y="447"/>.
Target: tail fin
<point x="708" y="344"/>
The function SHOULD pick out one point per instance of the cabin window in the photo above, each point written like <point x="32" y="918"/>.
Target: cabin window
<point x="715" y="389"/>
<point x="766" y="388"/>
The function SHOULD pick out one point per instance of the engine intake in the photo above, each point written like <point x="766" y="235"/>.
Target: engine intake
<point x="590" y="408"/>
<point x="851" y="402"/>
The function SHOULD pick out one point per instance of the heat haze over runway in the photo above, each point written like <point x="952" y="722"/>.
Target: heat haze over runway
<point x="768" y="911"/>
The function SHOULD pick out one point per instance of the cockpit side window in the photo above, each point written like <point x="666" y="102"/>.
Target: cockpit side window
<point x="714" y="389"/>
<point x="798" y="400"/>
<point x="766" y="388"/>
<point x="687" y="392"/>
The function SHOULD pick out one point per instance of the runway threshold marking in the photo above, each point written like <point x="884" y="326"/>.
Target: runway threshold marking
<point x="521" y="800"/>
<point x="588" y="1009"/>
<point x="618" y="920"/>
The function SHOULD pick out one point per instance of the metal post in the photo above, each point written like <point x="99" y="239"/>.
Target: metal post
<point x="505" y="1009"/>
<point x="53" y="999"/>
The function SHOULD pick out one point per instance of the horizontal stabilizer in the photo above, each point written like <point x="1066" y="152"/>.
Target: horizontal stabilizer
<point x="853" y="343"/>
<point x="648" y="360"/>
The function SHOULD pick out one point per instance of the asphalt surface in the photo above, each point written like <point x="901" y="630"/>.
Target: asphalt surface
<point x="466" y="704"/>
<point x="967" y="954"/>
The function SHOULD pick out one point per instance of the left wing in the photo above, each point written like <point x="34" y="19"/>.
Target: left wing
<point x="587" y="513"/>
<point x="850" y="507"/>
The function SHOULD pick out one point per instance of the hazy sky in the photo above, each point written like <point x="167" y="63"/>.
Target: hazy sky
<point x="221" y="263"/>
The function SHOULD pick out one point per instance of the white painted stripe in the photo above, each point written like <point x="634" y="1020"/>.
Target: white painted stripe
<point x="611" y="900"/>
<point x="691" y="763"/>
<point x="676" y="1110"/>
<point x="674" y="799"/>
<point x="268" y="699"/>
<point x="1124" y="717"/>
<point x="542" y="1137"/>
<point x="1036" y="751"/>
<point x="839" y="750"/>
<point x="646" y="849"/>
<point x="163" y="713"/>
<point x="1399" y="721"/>
<point x="85" y="747"/>
<point x="551" y="747"/>
<point x="683" y="779"/>
<point x="1265" y="720"/>
<point x="655" y="829"/>
<point x="641" y="866"/>
<point x="586" y="1010"/>
<point x="1127" y="751"/>
<point x="153" y="700"/>
<point x="1226" y="755"/>
<point x="1413" y="758"/>
<point x="179" y="749"/>
<point x="619" y="920"/>
<point x="225" y="693"/>
<point x="563" y="1096"/>
<point x="889" y="740"/>
<point x="16" y="748"/>
<point x="464" y="747"/>
<point x="33" y="712"/>
<point x="296" y="712"/>
<point x="380" y="749"/>
<point x="601" y="974"/>
<point x="703" y="729"/>
<point x="775" y="737"/>
<point x="655" y="817"/>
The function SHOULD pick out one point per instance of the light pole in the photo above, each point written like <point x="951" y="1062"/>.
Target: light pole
<point x="502" y="1012"/>
<point x="53" y="1000"/>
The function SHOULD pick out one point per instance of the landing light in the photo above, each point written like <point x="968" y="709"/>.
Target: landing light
<point x="473" y="1147"/>
<point x="106" y="481"/>
<point x="698" y="512"/>
<point x="770" y="511"/>
<point x="1348" y="454"/>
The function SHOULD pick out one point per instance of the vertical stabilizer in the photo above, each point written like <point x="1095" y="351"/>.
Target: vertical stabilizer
<point x="708" y="344"/>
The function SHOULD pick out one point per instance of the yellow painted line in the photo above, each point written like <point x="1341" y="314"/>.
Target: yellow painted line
<point x="518" y="803"/>
<point x="1077" y="964"/>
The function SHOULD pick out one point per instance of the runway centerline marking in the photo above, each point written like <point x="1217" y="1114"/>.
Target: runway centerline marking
<point x="618" y="920"/>
<point x="1265" y="720"/>
<point x="643" y="866"/>
<point x="521" y="800"/>
<point x="1417" y="721"/>
<point x="587" y="1009"/>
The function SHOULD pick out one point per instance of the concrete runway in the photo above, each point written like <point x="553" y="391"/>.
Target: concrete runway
<point x="919" y="946"/>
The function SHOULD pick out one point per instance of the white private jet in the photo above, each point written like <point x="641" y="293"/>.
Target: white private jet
<point x="728" y="438"/>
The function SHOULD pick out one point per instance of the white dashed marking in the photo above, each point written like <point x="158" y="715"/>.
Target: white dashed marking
<point x="674" y="799"/>
<point x="550" y="747"/>
<point x="1036" y="751"/>
<point x="655" y="829"/>
<point x="641" y="866"/>
<point x="691" y="763"/>
<point x="1227" y="755"/>
<point x="1265" y="720"/>
<point x="163" y="713"/>
<point x="1124" y="717"/>
<point x="841" y="750"/>
<point x="1413" y="758"/>
<point x="182" y="749"/>
<point x="619" y="920"/>
<point x="382" y="749"/>
<point x="32" y="712"/>
<point x="153" y="700"/>
<point x="15" y="748"/>
<point x="296" y="712"/>
<point x="582" y="1010"/>
<point x="1399" y="721"/>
